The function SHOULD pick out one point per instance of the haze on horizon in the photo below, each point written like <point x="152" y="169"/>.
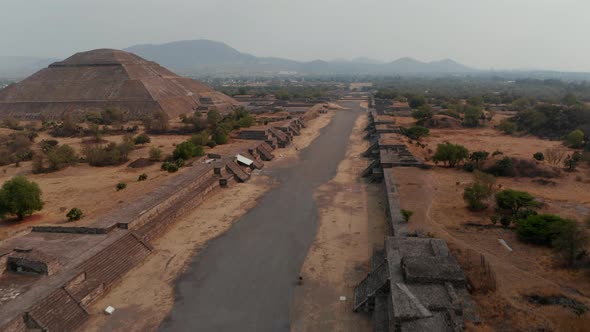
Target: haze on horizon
<point x="485" y="34"/>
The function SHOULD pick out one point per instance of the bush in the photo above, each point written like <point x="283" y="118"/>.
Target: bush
<point x="472" y="116"/>
<point x="246" y="121"/>
<point x="20" y="197"/>
<point x="502" y="167"/>
<point x="423" y="113"/>
<point x="211" y="144"/>
<point x="450" y="154"/>
<point x="511" y="204"/>
<point x="74" y="214"/>
<point x="142" y="139"/>
<point x="155" y="154"/>
<point x="156" y="122"/>
<point x="185" y="150"/>
<point x="121" y="186"/>
<point x="179" y="163"/>
<point x="478" y="157"/>
<point x="570" y="240"/>
<point x="407" y="214"/>
<point x="475" y="194"/>
<point x="201" y="138"/>
<point x="142" y="177"/>
<point x="61" y="157"/>
<point x="539" y="156"/>
<point x="507" y="126"/>
<point x="219" y="136"/>
<point x="575" y="139"/>
<point x="415" y="132"/>
<point x="538" y="229"/>
<point x="170" y="167"/>
<point x="110" y="154"/>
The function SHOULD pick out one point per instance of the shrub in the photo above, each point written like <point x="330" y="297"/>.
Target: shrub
<point x="502" y="167"/>
<point x="156" y="122"/>
<point x="155" y="154"/>
<point x="201" y="138"/>
<point x="219" y="136"/>
<point x="185" y="150"/>
<point x="48" y="144"/>
<point x="539" y="156"/>
<point x="20" y="197"/>
<point x="450" y="154"/>
<point x="575" y="139"/>
<point x="141" y="139"/>
<point x="570" y="240"/>
<point x="474" y="195"/>
<point x="142" y="177"/>
<point x="415" y="132"/>
<point x="478" y="157"/>
<point x="121" y="186"/>
<point x="510" y="204"/>
<point x="110" y="154"/>
<point x="507" y="126"/>
<point x="423" y="113"/>
<point x="214" y="117"/>
<point x="179" y="163"/>
<point x="246" y="121"/>
<point x="472" y="116"/>
<point x="61" y="157"/>
<point x="170" y="167"/>
<point x="407" y="214"/>
<point x="74" y="214"/>
<point x="538" y="229"/>
<point x="211" y="144"/>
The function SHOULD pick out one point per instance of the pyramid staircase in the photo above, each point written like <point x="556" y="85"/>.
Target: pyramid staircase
<point x="365" y="292"/>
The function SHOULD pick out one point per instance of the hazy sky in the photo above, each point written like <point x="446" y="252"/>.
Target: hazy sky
<point x="542" y="34"/>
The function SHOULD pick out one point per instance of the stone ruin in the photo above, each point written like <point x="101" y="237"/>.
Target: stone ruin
<point x="51" y="275"/>
<point x="415" y="284"/>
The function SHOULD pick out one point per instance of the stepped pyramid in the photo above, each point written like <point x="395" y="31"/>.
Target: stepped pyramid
<point x="97" y="79"/>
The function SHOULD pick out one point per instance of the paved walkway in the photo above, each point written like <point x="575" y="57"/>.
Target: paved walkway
<point x="244" y="280"/>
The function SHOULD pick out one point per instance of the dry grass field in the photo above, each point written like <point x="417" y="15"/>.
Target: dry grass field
<point x="435" y="196"/>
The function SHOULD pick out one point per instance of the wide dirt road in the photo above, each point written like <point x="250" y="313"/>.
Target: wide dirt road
<point x="244" y="280"/>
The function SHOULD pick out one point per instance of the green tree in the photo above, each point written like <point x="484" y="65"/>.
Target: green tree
<point x="415" y="132"/>
<point x="514" y="205"/>
<point x="416" y="101"/>
<point x="424" y="112"/>
<point x="219" y="136"/>
<point x="185" y="150"/>
<point x="20" y="197"/>
<point x="74" y="214"/>
<point x="570" y="240"/>
<point x="155" y="154"/>
<point x="507" y="126"/>
<point x="142" y="139"/>
<point x="201" y="138"/>
<point x="575" y="139"/>
<point x="407" y="215"/>
<point x="450" y="154"/>
<point x="214" y="117"/>
<point x="472" y="116"/>
<point x="538" y="229"/>
<point x="478" y="157"/>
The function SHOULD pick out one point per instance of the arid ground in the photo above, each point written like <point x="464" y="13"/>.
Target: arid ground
<point x="435" y="196"/>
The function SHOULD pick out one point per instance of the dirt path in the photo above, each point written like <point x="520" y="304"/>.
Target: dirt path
<point x="146" y="294"/>
<point x="351" y="222"/>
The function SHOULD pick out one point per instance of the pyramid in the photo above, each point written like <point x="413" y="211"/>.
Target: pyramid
<point x="103" y="78"/>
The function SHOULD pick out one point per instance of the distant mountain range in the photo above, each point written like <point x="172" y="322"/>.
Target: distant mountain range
<point x="206" y="56"/>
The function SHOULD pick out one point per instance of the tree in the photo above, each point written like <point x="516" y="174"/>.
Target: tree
<point x="472" y="116"/>
<point x="570" y="240"/>
<point x="214" y="117"/>
<point x="219" y="136"/>
<point x="514" y="205"/>
<point x="538" y="229"/>
<point x="570" y="163"/>
<point x="416" y="101"/>
<point x="157" y="122"/>
<point x="424" y="112"/>
<point x="246" y="121"/>
<point x="61" y="157"/>
<point x="111" y="115"/>
<point x="142" y="139"/>
<point x="507" y="126"/>
<point x="474" y="195"/>
<point x="407" y="215"/>
<point x="478" y="157"/>
<point x="201" y="138"/>
<point x="20" y="197"/>
<point x="415" y="132"/>
<point x="155" y="154"/>
<point x="539" y="156"/>
<point x="450" y="154"/>
<point x="185" y="150"/>
<point x="575" y="139"/>
<point x="74" y="214"/>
